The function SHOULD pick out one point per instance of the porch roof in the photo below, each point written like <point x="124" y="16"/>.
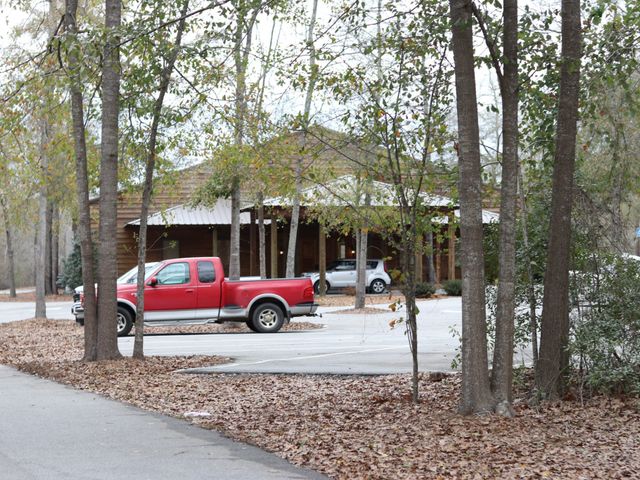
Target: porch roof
<point x="346" y="190"/>
<point x="219" y="214"/>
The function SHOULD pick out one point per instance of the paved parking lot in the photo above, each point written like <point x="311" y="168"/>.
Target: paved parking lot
<point x="347" y="344"/>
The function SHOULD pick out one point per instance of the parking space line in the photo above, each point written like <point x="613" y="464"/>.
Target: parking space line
<point x="297" y="358"/>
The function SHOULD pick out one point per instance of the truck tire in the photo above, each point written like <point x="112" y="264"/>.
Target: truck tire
<point x="267" y="318"/>
<point x="125" y="321"/>
<point x="378" y="286"/>
<point x="250" y="325"/>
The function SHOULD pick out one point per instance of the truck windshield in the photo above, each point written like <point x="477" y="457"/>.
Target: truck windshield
<point x="132" y="275"/>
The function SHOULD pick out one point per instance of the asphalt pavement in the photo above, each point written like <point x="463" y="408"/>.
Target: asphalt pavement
<point x="52" y="432"/>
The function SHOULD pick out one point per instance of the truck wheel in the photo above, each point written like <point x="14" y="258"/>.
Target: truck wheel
<point x="378" y="286"/>
<point x="125" y="322"/>
<point x="316" y="287"/>
<point x="267" y="318"/>
<point x="250" y="325"/>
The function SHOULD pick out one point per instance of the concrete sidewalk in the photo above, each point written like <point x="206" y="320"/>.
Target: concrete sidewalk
<point x="51" y="432"/>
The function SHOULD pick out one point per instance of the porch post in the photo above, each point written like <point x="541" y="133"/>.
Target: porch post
<point x="214" y="238"/>
<point x="252" y="243"/>
<point x="452" y="248"/>
<point x="274" y="247"/>
<point x="431" y="273"/>
<point x="322" y="260"/>
<point x="419" y="256"/>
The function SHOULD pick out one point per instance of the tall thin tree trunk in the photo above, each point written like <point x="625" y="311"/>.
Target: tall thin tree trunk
<point x="48" y="247"/>
<point x="41" y="230"/>
<point x="553" y="362"/>
<point x="502" y="371"/>
<point x="165" y="79"/>
<point x="431" y="270"/>
<point x="10" y="253"/>
<point x="55" y="245"/>
<point x="531" y="292"/>
<point x="361" y="274"/>
<point x="476" y="393"/>
<point x="82" y="187"/>
<point x="107" y="247"/>
<point x="295" y="209"/>
<point x="241" y="50"/>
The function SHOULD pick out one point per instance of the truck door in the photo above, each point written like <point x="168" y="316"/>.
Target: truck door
<point x="174" y="295"/>
<point x="208" y="291"/>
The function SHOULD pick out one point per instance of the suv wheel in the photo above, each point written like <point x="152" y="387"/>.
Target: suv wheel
<point x="316" y="287"/>
<point x="378" y="286"/>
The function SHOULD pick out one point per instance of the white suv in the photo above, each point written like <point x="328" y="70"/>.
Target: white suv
<point x="342" y="273"/>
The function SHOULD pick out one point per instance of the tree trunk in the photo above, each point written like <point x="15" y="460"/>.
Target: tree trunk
<point x="234" y="258"/>
<point x="41" y="231"/>
<point x="295" y="209"/>
<point x="408" y="260"/>
<point x="84" y="217"/>
<point x="531" y="292"/>
<point x="48" y="247"/>
<point x="55" y="244"/>
<point x="165" y="79"/>
<point x="431" y="271"/>
<point x="361" y="274"/>
<point x="476" y="393"/>
<point x="502" y="371"/>
<point x="107" y="248"/>
<point x="554" y="361"/>
<point x="241" y="51"/>
<point x="290" y="270"/>
<point x="10" y="252"/>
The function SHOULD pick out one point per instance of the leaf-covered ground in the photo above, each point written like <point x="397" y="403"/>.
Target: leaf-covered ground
<point x="350" y="427"/>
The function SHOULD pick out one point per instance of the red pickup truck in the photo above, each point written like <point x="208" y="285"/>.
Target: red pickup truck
<point x="194" y="291"/>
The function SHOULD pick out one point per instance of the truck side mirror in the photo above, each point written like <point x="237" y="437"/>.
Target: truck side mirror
<point x="153" y="281"/>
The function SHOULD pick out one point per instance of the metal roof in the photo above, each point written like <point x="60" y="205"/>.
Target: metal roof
<point x="347" y="190"/>
<point x="487" y="217"/>
<point x="220" y="214"/>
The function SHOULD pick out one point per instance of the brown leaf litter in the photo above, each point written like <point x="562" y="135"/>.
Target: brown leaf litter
<point x="350" y="427"/>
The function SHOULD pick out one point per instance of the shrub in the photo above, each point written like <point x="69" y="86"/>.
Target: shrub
<point x="72" y="269"/>
<point x="453" y="287"/>
<point x="605" y="342"/>
<point x="424" y="289"/>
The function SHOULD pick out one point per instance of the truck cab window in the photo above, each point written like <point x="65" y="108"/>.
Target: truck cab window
<point x="174" y="274"/>
<point x="206" y="273"/>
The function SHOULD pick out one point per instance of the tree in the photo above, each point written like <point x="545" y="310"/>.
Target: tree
<point x="165" y="78"/>
<point x="74" y="80"/>
<point x="107" y="345"/>
<point x="394" y="123"/>
<point x="507" y="73"/>
<point x="476" y="393"/>
<point x="553" y="361"/>
<point x="311" y="83"/>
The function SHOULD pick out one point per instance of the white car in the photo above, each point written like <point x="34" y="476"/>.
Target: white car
<point x="342" y="273"/>
<point x="130" y="277"/>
